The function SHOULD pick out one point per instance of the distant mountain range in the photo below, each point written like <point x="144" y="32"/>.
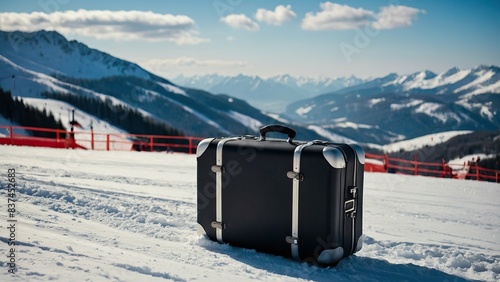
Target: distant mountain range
<point x="378" y="111"/>
<point x="271" y="94"/>
<point x="397" y="107"/>
<point x="44" y="61"/>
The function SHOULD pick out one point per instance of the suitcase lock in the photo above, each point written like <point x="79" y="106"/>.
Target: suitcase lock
<point x="350" y="205"/>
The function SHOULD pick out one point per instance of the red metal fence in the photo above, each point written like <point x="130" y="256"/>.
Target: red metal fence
<point x="468" y="170"/>
<point x="57" y="138"/>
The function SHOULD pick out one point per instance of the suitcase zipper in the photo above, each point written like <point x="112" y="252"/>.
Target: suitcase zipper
<point x="351" y="212"/>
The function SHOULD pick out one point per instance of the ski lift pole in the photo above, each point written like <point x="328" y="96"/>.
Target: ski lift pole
<point x="91" y="135"/>
<point x="72" y="122"/>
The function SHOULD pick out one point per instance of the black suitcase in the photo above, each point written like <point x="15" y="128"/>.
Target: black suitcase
<point x="294" y="199"/>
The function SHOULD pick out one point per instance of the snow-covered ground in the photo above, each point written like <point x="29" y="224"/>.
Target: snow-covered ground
<point x="131" y="216"/>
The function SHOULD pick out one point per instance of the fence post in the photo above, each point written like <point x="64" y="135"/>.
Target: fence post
<point x="444" y="168"/>
<point x="416" y="164"/>
<point x="11" y="135"/>
<point x="386" y="160"/>
<point x="107" y="142"/>
<point x="477" y="172"/>
<point x="151" y="143"/>
<point x="190" y="145"/>
<point x="92" y="139"/>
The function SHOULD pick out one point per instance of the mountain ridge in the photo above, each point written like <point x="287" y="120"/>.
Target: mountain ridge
<point x="380" y="110"/>
<point x="408" y="105"/>
<point x="72" y="68"/>
<point x="56" y="55"/>
<point x="271" y="94"/>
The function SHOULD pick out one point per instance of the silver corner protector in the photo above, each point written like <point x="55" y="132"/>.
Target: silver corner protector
<point x="360" y="152"/>
<point x="200" y="230"/>
<point x="359" y="245"/>
<point x="334" y="157"/>
<point x="202" y="146"/>
<point x="331" y="256"/>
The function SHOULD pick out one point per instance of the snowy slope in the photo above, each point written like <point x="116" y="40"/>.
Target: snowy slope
<point x="130" y="216"/>
<point x="5" y="132"/>
<point x="32" y="63"/>
<point x="421" y="142"/>
<point x="63" y="111"/>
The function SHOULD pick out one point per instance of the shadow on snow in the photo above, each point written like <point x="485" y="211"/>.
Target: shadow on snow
<point x="353" y="268"/>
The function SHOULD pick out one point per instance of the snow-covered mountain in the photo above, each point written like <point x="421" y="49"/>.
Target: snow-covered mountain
<point x="271" y="94"/>
<point x="380" y="111"/>
<point x="44" y="61"/>
<point x="259" y="92"/>
<point x="204" y="82"/>
<point x="397" y="107"/>
<point x="318" y="85"/>
<point x="48" y="52"/>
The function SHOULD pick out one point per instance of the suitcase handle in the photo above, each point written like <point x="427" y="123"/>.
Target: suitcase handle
<point x="277" y="128"/>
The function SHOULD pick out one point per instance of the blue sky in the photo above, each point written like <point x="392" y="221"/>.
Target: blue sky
<point x="266" y="38"/>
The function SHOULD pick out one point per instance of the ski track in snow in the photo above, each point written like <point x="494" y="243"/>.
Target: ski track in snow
<point x="131" y="216"/>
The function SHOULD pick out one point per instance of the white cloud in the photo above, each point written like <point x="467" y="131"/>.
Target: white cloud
<point x="396" y="16"/>
<point x="280" y="15"/>
<point x="337" y="17"/>
<point x="240" y="21"/>
<point x="104" y="24"/>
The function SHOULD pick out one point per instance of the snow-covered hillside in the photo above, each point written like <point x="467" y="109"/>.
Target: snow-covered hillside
<point x="48" y="52"/>
<point x="481" y="79"/>
<point x="63" y="111"/>
<point x="270" y="94"/>
<point x="5" y="131"/>
<point x="131" y="216"/>
<point x="420" y="142"/>
<point x="44" y="61"/>
<point x="408" y="105"/>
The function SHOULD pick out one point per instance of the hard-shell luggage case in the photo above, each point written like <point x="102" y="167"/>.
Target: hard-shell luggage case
<point x="294" y="199"/>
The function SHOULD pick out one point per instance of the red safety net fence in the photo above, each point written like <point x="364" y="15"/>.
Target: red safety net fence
<point x="89" y="140"/>
<point x="467" y="170"/>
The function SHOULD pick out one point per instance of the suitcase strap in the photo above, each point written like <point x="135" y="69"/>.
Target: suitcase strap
<point x="297" y="178"/>
<point x="218" y="168"/>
